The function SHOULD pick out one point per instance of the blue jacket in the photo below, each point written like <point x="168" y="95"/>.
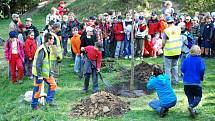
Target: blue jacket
<point x="193" y="69"/>
<point x="162" y="86"/>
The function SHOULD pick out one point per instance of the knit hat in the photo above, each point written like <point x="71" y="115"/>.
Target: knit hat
<point x="99" y="45"/>
<point x="56" y="25"/>
<point x="119" y="17"/>
<point x="89" y="28"/>
<point x="195" y="18"/>
<point x="154" y="13"/>
<point x="141" y="17"/>
<point x="61" y="2"/>
<point x="12" y="34"/>
<point x="15" y="16"/>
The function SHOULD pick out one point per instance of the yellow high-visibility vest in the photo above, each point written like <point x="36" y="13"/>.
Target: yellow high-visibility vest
<point x="59" y="51"/>
<point x="46" y="63"/>
<point x="173" y="43"/>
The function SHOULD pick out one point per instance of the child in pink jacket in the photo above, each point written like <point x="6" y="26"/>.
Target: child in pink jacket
<point x="14" y="55"/>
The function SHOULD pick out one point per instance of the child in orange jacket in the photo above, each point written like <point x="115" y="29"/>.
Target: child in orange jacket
<point x="76" y="48"/>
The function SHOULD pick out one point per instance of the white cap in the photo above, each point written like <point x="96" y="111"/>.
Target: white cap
<point x="28" y="19"/>
<point x="89" y="28"/>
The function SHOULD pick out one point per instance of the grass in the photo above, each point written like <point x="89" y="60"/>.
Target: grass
<point x="69" y="92"/>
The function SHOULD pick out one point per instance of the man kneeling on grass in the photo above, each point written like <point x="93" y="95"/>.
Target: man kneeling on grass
<point x="162" y="85"/>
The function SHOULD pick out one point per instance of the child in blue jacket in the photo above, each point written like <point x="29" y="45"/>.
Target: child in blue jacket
<point x="193" y="69"/>
<point x="162" y="85"/>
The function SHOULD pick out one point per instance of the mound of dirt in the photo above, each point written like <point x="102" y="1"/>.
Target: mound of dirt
<point x="142" y="73"/>
<point x="99" y="105"/>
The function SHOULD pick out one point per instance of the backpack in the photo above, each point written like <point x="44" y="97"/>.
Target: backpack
<point x="191" y="40"/>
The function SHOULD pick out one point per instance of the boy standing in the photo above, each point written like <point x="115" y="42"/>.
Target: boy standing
<point x="193" y="69"/>
<point x="76" y="43"/>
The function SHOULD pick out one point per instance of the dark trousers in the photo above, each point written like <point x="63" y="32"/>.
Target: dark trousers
<point x="64" y="43"/>
<point x="89" y="70"/>
<point x="106" y="45"/>
<point x="29" y="65"/>
<point x="194" y="94"/>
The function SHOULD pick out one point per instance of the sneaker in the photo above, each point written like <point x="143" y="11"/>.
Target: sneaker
<point x="126" y="57"/>
<point x="163" y="112"/>
<point x="85" y="91"/>
<point x="192" y="112"/>
<point x="31" y="77"/>
<point x="138" y="58"/>
<point x="129" y="56"/>
<point x="95" y="91"/>
<point x="35" y="108"/>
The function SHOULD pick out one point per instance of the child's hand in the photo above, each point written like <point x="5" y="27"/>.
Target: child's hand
<point x="82" y="48"/>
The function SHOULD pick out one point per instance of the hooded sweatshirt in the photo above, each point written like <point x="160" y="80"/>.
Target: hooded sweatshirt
<point x="163" y="88"/>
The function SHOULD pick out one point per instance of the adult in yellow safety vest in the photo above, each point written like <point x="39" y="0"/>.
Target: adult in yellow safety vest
<point x="172" y="49"/>
<point x="56" y="51"/>
<point x="41" y="71"/>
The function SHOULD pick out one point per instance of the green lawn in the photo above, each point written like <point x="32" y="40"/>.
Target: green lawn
<point x="70" y="92"/>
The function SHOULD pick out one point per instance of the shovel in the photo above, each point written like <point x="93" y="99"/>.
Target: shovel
<point x="108" y="87"/>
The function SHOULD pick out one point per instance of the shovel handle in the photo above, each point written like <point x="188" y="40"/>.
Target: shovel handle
<point x="94" y="67"/>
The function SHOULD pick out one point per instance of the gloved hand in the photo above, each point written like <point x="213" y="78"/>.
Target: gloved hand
<point x="83" y="52"/>
<point x="58" y="60"/>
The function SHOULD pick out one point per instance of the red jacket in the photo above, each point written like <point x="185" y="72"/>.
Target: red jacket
<point x="61" y="10"/>
<point x="30" y="47"/>
<point x="188" y="26"/>
<point x="153" y="26"/>
<point x="94" y="55"/>
<point x="117" y="31"/>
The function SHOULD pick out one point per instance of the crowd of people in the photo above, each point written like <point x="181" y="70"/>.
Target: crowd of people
<point x="170" y="34"/>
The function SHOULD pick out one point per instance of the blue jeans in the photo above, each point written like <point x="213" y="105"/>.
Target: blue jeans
<point x="39" y="40"/>
<point x="127" y="46"/>
<point x="119" y="48"/>
<point x="82" y="58"/>
<point x="77" y="63"/>
<point x="171" y="69"/>
<point x="64" y="43"/>
<point x="194" y="94"/>
<point x="156" y="105"/>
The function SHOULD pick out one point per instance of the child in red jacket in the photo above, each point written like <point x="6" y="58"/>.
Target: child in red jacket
<point x="30" y="47"/>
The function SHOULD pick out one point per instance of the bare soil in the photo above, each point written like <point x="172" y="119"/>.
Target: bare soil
<point x="99" y="105"/>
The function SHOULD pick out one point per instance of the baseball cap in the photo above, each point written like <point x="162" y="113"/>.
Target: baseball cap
<point x="169" y="19"/>
<point x="28" y="19"/>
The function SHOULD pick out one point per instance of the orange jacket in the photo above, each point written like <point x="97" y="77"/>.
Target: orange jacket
<point x="76" y="44"/>
<point x="163" y="25"/>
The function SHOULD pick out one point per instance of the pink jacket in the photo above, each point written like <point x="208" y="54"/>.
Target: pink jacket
<point x="8" y="50"/>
